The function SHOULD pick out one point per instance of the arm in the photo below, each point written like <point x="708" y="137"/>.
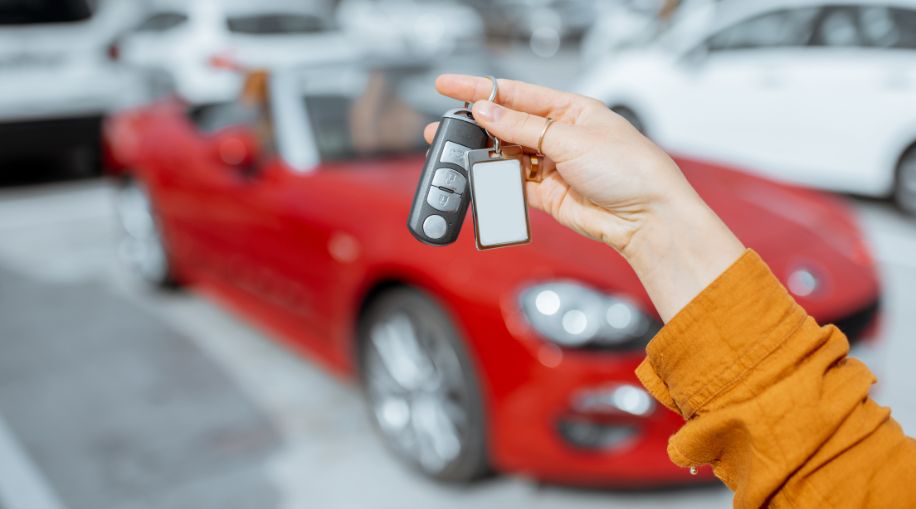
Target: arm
<point x="769" y="398"/>
<point x="772" y="402"/>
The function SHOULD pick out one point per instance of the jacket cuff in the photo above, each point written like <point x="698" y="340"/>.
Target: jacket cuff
<point x="725" y="331"/>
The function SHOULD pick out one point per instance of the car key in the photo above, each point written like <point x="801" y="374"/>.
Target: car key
<point x="500" y="208"/>
<point x="442" y="197"/>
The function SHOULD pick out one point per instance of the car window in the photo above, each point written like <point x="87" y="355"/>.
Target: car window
<point x="838" y="28"/>
<point x="878" y="27"/>
<point x="162" y="21"/>
<point x="783" y="28"/>
<point x="870" y="26"/>
<point x="23" y="12"/>
<point x="279" y="23"/>
<point x="905" y="21"/>
<point x="372" y="114"/>
<point x="886" y="27"/>
<point x="211" y="118"/>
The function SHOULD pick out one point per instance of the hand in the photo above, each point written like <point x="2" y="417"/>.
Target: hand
<point x="605" y="180"/>
<point x="601" y="178"/>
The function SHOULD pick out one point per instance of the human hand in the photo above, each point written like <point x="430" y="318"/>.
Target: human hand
<point x="601" y="177"/>
<point x="604" y="179"/>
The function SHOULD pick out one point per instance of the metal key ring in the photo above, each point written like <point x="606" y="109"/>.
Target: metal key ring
<point x="493" y="93"/>
<point x="494" y="90"/>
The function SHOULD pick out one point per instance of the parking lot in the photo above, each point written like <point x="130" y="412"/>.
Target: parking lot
<point x="117" y="395"/>
<point x="112" y="395"/>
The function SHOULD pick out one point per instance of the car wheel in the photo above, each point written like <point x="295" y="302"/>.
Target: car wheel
<point x="905" y="186"/>
<point x="140" y="244"/>
<point x="631" y="117"/>
<point x="421" y="388"/>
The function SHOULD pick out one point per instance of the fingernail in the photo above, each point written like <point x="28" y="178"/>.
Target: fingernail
<point x="487" y="110"/>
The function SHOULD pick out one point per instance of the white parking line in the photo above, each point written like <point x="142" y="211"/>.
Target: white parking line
<point x="21" y="484"/>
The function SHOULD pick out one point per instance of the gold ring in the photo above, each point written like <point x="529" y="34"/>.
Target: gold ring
<point x="544" y="132"/>
<point x="534" y="169"/>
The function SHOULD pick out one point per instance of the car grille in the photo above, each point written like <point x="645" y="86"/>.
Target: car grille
<point x="856" y="324"/>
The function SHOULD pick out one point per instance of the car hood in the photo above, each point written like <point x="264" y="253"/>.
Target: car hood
<point x="791" y="228"/>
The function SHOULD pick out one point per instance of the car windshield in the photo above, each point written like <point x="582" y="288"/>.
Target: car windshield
<point x="276" y="23"/>
<point x="22" y="12"/>
<point x="372" y="114"/>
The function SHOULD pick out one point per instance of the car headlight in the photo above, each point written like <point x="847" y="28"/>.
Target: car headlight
<point x="576" y="316"/>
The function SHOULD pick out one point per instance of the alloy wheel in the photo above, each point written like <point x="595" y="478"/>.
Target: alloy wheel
<point x="140" y="244"/>
<point x="417" y="391"/>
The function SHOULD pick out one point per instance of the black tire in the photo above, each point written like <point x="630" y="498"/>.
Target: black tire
<point x="436" y="333"/>
<point x="630" y="116"/>
<point x="905" y="182"/>
<point x="141" y="245"/>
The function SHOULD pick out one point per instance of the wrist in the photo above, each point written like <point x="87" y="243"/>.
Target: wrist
<point x="678" y="248"/>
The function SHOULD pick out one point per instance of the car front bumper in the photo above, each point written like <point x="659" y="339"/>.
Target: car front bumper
<point x="536" y="436"/>
<point x="538" y="427"/>
<point x="533" y="390"/>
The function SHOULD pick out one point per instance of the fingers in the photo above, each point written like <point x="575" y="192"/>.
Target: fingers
<point x="429" y="132"/>
<point x="517" y="95"/>
<point x="517" y="127"/>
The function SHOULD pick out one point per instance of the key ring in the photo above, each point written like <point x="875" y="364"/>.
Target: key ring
<point x="494" y="90"/>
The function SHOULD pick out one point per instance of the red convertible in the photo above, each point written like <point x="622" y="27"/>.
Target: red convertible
<point x="290" y="206"/>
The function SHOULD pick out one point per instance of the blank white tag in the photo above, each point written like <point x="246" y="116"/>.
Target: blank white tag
<point x="498" y="200"/>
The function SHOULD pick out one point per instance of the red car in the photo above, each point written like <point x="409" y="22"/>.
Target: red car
<point x="290" y="206"/>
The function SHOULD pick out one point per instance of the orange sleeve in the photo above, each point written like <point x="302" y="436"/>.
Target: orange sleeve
<point x="772" y="402"/>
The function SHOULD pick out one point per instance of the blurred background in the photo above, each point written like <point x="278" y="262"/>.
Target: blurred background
<point x="137" y="136"/>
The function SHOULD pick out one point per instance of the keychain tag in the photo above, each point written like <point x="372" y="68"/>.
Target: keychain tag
<point x="498" y="200"/>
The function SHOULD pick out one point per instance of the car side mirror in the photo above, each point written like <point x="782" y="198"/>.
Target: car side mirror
<point x="236" y="147"/>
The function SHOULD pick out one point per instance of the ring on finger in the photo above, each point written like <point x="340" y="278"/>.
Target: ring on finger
<point x="544" y="133"/>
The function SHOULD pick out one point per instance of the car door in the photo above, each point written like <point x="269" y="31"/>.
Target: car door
<point x="291" y="239"/>
<point x="734" y="90"/>
<point x="203" y="192"/>
<point x="312" y="203"/>
<point x="849" y="92"/>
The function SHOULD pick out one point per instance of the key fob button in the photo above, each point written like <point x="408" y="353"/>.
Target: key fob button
<point x="450" y="179"/>
<point x="454" y="153"/>
<point x="443" y="200"/>
<point x="434" y="227"/>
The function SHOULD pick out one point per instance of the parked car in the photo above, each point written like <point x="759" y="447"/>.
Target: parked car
<point x="290" y="206"/>
<point x="198" y="47"/>
<point x="543" y="24"/>
<point x="624" y="24"/>
<point x="814" y="92"/>
<point x="401" y="28"/>
<point x="617" y="24"/>
<point x="55" y="80"/>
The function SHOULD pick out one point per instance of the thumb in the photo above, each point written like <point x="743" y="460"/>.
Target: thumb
<point x="520" y="128"/>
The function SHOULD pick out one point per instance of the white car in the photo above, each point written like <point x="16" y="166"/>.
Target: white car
<point x="199" y="47"/>
<point x="421" y="28"/>
<point x="618" y="23"/>
<point x="56" y="81"/>
<point x="816" y="92"/>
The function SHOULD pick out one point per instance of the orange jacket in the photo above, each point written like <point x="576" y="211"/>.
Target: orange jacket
<point x="772" y="402"/>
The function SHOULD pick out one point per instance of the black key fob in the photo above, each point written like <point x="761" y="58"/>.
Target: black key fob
<point x="442" y="196"/>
